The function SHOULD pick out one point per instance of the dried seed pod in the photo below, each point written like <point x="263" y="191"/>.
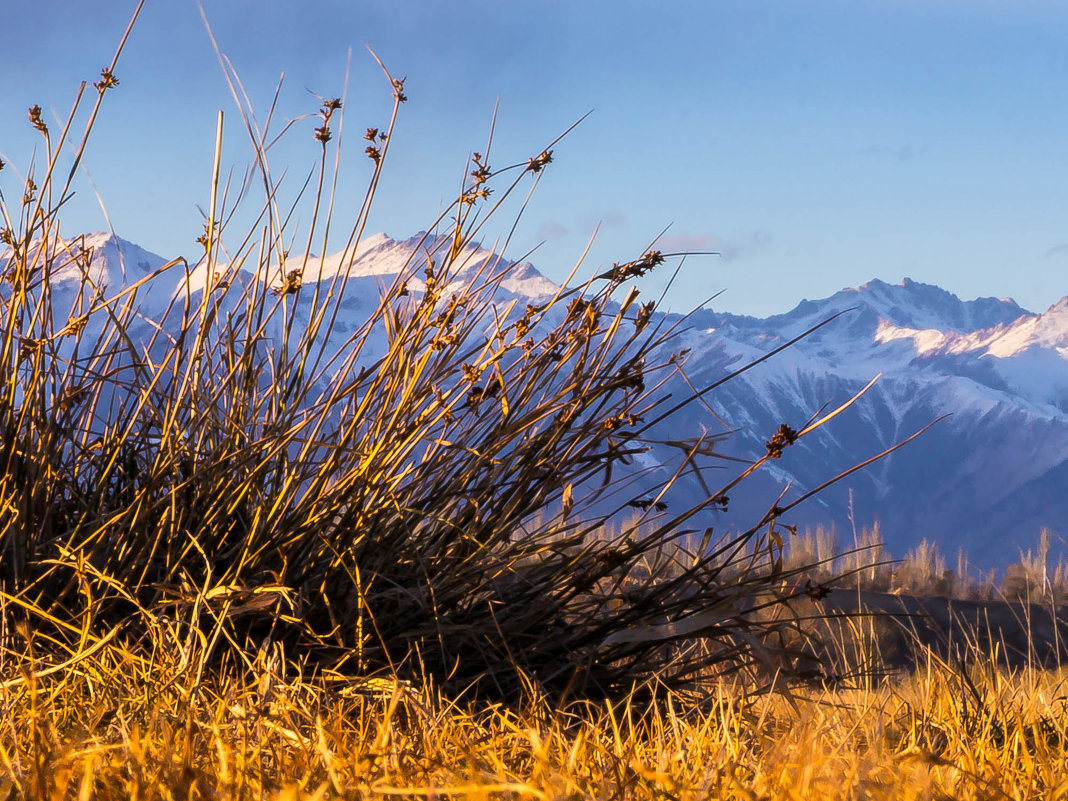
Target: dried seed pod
<point x="107" y="80"/>
<point x="36" y="121"/>
<point x="782" y="438"/>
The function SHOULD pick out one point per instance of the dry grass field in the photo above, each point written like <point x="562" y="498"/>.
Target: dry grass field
<point x="123" y="725"/>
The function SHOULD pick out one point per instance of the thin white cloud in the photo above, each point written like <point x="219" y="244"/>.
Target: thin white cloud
<point x="611" y="219"/>
<point x="687" y="242"/>
<point x="551" y="230"/>
<point x="730" y="248"/>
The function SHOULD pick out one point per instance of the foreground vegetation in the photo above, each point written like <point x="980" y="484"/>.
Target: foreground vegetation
<point x="421" y="493"/>
<point x="118" y="725"/>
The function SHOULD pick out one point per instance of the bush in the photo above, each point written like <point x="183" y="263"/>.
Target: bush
<point x="422" y="494"/>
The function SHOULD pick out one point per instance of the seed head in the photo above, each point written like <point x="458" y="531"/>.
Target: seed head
<point x="322" y="134"/>
<point x="816" y="592"/>
<point x="481" y="173"/>
<point x="782" y="438"/>
<point x="107" y="81"/>
<point x="647" y="503"/>
<point x="30" y="347"/>
<point x="36" y="121"/>
<point x="443" y="340"/>
<point x="290" y="284"/>
<point x="75" y="325"/>
<point x="203" y="238"/>
<point x="631" y="375"/>
<point x="634" y="269"/>
<point x="71" y="397"/>
<point x="645" y="311"/>
<point x="538" y="162"/>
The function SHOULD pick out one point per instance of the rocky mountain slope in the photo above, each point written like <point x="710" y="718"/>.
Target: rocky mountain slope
<point x="986" y="479"/>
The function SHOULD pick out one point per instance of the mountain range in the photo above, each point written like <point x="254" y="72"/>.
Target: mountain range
<point x="986" y="478"/>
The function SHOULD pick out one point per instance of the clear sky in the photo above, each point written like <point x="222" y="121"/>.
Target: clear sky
<point x="817" y="144"/>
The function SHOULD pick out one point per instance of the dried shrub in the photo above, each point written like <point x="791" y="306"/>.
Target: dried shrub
<point x="420" y="494"/>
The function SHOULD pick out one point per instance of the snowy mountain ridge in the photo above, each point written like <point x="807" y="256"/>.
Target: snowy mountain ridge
<point x="986" y="479"/>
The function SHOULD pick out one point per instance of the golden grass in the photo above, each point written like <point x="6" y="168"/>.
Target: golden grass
<point x="122" y="726"/>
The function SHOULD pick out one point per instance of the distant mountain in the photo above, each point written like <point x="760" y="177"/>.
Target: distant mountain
<point x="113" y="262"/>
<point x="986" y="479"/>
<point x="379" y="258"/>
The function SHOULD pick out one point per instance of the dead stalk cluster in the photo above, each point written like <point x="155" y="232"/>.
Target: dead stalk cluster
<point x="416" y="493"/>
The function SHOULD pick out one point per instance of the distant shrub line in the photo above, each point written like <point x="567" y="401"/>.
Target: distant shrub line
<point x="821" y="556"/>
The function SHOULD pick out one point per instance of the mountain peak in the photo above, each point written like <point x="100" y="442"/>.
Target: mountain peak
<point x="386" y="256"/>
<point x="380" y="256"/>
<point x="986" y="478"/>
<point x="909" y="304"/>
<point x="115" y="262"/>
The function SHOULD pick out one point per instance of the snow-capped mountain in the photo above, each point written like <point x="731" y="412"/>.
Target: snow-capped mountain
<point x="85" y="270"/>
<point x="112" y="262"/>
<point x="380" y="258"/>
<point x="378" y="255"/>
<point x="986" y="479"/>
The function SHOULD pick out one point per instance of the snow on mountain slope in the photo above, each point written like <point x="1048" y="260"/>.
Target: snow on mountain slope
<point x="986" y="479"/>
<point x="381" y="257"/>
<point x="109" y="262"/>
<point x="115" y="262"/>
<point x="981" y="479"/>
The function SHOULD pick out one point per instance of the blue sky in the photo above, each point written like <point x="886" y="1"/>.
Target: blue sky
<point x="816" y="144"/>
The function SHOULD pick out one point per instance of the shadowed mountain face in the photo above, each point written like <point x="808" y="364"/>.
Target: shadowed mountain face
<point x="986" y="479"/>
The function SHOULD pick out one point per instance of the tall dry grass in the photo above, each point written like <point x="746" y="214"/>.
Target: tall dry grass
<point x="239" y="470"/>
<point x="924" y="570"/>
<point x="114" y="726"/>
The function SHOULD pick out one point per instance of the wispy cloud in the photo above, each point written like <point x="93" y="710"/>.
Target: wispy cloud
<point x="686" y="242"/>
<point x="730" y="248"/>
<point x="552" y="230"/>
<point x="611" y="219"/>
